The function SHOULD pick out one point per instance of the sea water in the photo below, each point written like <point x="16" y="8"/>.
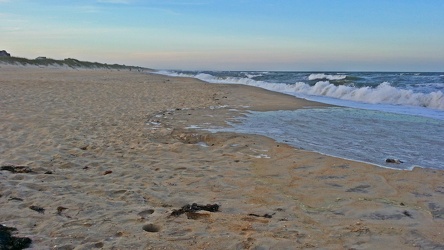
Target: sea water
<point x="358" y="134"/>
<point x="381" y="115"/>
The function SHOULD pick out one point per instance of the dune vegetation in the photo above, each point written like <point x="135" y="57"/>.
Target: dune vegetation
<point x="68" y="62"/>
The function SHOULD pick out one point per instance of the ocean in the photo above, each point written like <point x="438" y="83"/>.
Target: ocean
<point x="379" y="115"/>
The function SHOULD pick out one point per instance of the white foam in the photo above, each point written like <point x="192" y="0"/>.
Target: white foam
<point x="382" y="94"/>
<point x="171" y="73"/>
<point x="249" y="75"/>
<point x="326" y="76"/>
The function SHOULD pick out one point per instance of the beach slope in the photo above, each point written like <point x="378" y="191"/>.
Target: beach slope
<point x="107" y="159"/>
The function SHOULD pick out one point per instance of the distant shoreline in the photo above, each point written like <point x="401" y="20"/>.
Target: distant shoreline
<point x="68" y="62"/>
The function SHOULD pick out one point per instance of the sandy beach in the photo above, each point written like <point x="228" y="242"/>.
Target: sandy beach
<point x="101" y="159"/>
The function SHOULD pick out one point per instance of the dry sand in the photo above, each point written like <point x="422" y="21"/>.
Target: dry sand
<point x="111" y="158"/>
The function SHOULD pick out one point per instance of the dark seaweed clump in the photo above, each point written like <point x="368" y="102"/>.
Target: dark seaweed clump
<point x="194" y="208"/>
<point x="9" y="242"/>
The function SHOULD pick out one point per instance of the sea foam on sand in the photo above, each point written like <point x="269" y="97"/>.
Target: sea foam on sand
<point x="112" y="154"/>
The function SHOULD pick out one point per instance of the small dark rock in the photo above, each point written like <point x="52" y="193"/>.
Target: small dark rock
<point x="60" y="210"/>
<point x="395" y="161"/>
<point x="38" y="209"/>
<point x="407" y="213"/>
<point x="48" y="172"/>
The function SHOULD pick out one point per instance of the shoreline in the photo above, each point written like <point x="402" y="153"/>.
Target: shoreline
<point x="297" y="105"/>
<point x="122" y="159"/>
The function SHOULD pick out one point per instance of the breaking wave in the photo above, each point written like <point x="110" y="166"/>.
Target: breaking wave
<point x="323" y="76"/>
<point x="384" y="93"/>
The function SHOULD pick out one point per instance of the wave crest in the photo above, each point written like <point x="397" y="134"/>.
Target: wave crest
<point x="322" y="76"/>
<point x="382" y="94"/>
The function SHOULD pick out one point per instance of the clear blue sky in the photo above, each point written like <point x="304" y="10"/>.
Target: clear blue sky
<point x="405" y="35"/>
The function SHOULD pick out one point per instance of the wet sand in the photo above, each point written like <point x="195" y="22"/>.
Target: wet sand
<point x="111" y="154"/>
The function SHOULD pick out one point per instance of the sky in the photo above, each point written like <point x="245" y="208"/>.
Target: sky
<point x="287" y="35"/>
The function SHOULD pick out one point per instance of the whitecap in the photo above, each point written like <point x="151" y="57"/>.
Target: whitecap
<point x="384" y="93"/>
<point x="326" y="76"/>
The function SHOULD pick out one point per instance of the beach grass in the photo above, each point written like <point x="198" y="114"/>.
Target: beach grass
<point x="68" y="62"/>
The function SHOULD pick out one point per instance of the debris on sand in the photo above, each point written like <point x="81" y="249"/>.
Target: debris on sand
<point x="269" y="216"/>
<point x="38" y="209"/>
<point x="194" y="208"/>
<point x="7" y="241"/>
<point x="395" y="161"/>
<point x="17" y="169"/>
